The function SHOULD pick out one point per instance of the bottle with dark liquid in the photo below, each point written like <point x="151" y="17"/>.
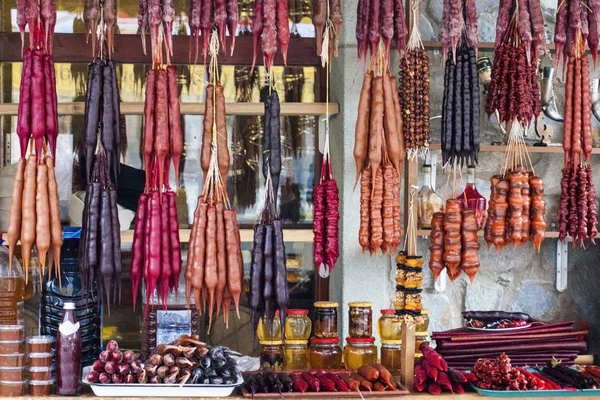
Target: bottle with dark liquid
<point x="68" y="354"/>
<point x="472" y="199"/>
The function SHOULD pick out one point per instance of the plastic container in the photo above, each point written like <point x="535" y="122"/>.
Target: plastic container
<point x="325" y="353"/>
<point x="391" y="355"/>
<point x="13" y="374"/>
<point x="12" y="389"/>
<point x="12" y="289"/>
<point x="271" y="355"/>
<point x="297" y="325"/>
<point x="359" y="352"/>
<point x="41" y="344"/>
<point x="389" y="325"/>
<point x="295" y="355"/>
<point x="12" y="332"/>
<point x="12" y="346"/>
<point x="40" y="359"/>
<point x="269" y="331"/>
<point x="360" y="319"/>
<point x="41" y="373"/>
<point x="420" y="337"/>
<point x="12" y="360"/>
<point x="326" y="319"/>
<point x="40" y="388"/>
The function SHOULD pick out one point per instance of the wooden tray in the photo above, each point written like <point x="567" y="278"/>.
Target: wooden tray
<point x="402" y="390"/>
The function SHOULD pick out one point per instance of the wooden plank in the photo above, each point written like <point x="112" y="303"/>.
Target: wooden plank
<point x="289" y="235"/>
<point x="407" y="357"/>
<point x="71" y="47"/>
<point x="137" y="108"/>
<point x="531" y="149"/>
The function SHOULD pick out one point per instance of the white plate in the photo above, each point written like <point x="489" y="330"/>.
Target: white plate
<point x="158" y="390"/>
<point x="516" y="328"/>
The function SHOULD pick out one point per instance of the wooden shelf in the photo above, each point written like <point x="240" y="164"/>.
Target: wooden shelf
<point x="127" y="108"/>
<point x="531" y="149"/>
<point x="427" y="232"/>
<point x="246" y="235"/>
<point x="72" y="48"/>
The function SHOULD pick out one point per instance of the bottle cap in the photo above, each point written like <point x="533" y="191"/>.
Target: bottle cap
<point x="69" y="305"/>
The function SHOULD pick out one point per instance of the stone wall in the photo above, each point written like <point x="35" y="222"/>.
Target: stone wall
<point x="512" y="280"/>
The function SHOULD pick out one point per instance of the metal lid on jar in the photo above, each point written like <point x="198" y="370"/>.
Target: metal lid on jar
<point x="297" y="311"/>
<point x="360" y="340"/>
<point x="318" y="340"/>
<point x="425" y="312"/>
<point x="326" y="304"/>
<point x="360" y="304"/>
<point x="391" y="342"/>
<point x="388" y="312"/>
<point x="271" y="342"/>
<point x="296" y="342"/>
<point x="421" y="334"/>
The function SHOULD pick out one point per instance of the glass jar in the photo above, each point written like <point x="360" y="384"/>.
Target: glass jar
<point x="295" y="355"/>
<point x="422" y="321"/>
<point x="359" y="352"/>
<point x="269" y="331"/>
<point x="389" y="325"/>
<point x="326" y="319"/>
<point x="325" y="353"/>
<point x="420" y="337"/>
<point x="271" y="355"/>
<point x="391" y="354"/>
<point x="428" y="201"/>
<point x="472" y="199"/>
<point x="360" y="320"/>
<point x="297" y="325"/>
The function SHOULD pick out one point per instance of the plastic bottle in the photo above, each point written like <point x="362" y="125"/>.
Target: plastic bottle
<point x="68" y="354"/>
<point x="12" y="289"/>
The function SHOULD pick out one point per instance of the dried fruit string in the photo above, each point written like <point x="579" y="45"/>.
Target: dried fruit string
<point x="326" y="199"/>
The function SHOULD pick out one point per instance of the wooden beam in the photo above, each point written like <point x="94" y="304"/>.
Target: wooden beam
<point x="71" y="47"/>
<point x="128" y="108"/>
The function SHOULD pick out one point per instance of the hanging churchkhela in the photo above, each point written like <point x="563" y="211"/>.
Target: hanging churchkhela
<point x="268" y="271"/>
<point x="327" y="13"/>
<point x="214" y="269"/>
<point x="379" y="157"/>
<point x="516" y="210"/>
<point x="104" y="14"/>
<point x="379" y="19"/>
<point x="514" y="93"/>
<point x="414" y="90"/>
<point x="270" y="26"/>
<point x="325" y="196"/>
<point x="156" y="250"/>
<point x="34" y="216"/>
<point x="576" y="23"/>
<point x="100" y="245"/>
<point x="460" y="110"/>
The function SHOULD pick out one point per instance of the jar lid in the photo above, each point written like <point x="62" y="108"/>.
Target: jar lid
<point x="318" y="340"/>
<point x="360" y="340"/>
<point x="361" y="304"/>
<point x="296" y="342"/>
<point x="271" y="342"/>
<point x="421" y="334"/>
<point x="12" y="383"/>
<point x="40" y="339"/>
<point x="12" y="368"/>
<point x="11" y="342"/>
<point x="326" y="304"/>
<point x="391" y="342"/>
<point x="297" y="311"/>
<point x="388" y="312"/>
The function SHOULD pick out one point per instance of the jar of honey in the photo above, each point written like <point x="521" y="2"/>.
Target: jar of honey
<point x="271" y="355"/>
<point x="295" y="355"/>
<point x="422" y="321"/>
<point x="420" y="337"/>
<point x="326" y="319"/>
<point x="269" y="330"/>
<point x="359" y="352"/>
<point x="297" y="325"/>
<point x="360" y="319"/>
<point x="389" y="325"/>
<point x="391" y="354"/>
<point x="325" y="353"/>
